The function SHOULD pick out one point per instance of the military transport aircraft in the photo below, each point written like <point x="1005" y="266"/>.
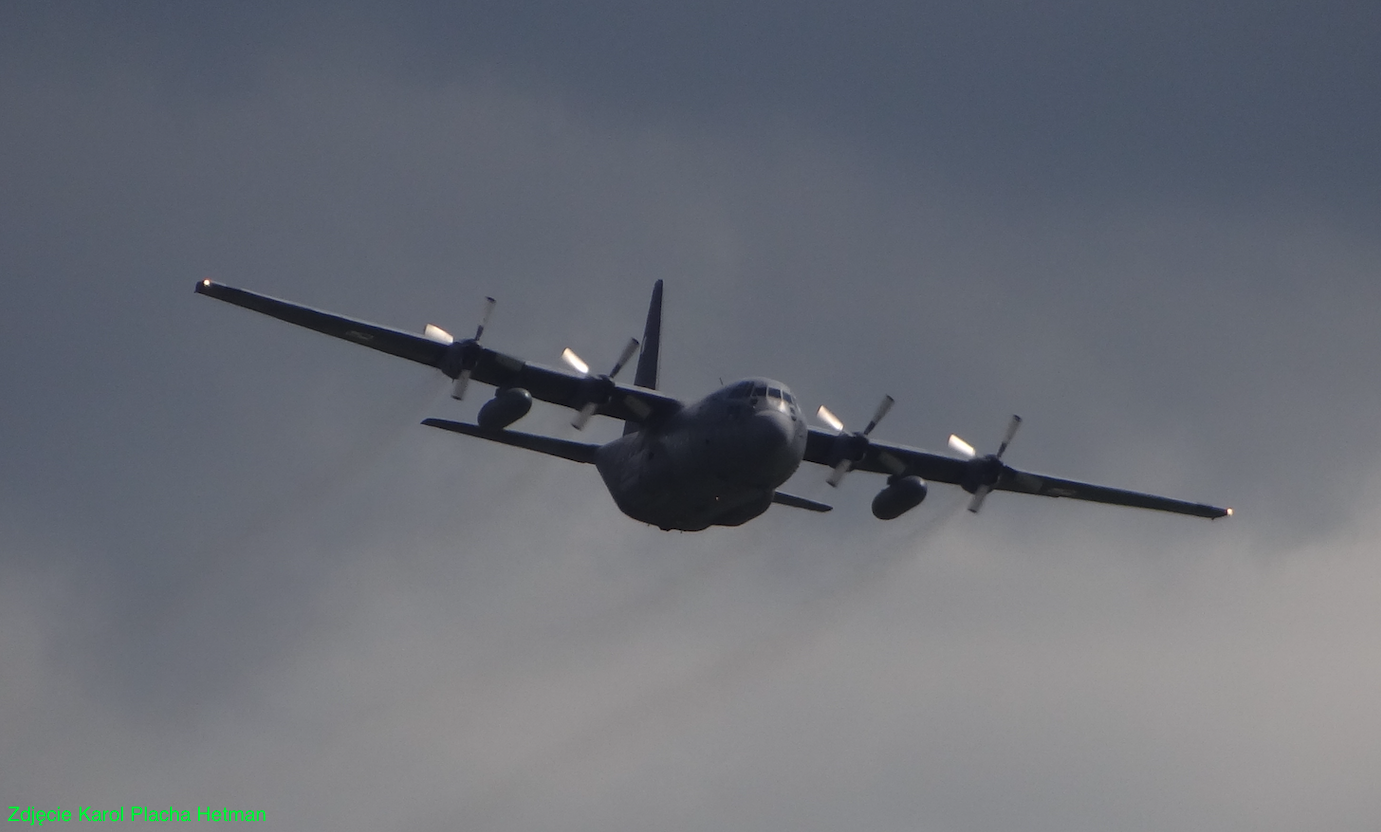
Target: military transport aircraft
<point x="689" y="466"/>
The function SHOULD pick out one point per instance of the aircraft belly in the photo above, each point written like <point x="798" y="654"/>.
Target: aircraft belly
<point x="666" y="481"/>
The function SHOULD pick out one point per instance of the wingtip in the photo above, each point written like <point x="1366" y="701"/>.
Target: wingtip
<point x="203" y="285"/>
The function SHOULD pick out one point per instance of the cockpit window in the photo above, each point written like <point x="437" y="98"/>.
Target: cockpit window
<point x="789" y="398"/>
<point x="741" y="390"/>
<point x="774" y="392"/>
<point x="760" y="390"/>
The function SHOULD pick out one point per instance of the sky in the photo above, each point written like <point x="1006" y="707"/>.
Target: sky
<point x="235" y="571"/>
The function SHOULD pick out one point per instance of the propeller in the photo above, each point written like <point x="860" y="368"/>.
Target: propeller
<point x="852" y="447"/>
<point x="599" y="388"/>
<point x="984" y="471"/>
<point x="461" y="359"/>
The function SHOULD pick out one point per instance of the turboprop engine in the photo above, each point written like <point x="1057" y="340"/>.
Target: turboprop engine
<point x="900" y="496"/>
<point x="508" y="406"/>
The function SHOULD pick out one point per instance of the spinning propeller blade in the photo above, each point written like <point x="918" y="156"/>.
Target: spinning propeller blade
<point x="596" y="397"/>
<point x="961" y="447"/>
<point x="837" y="475"/>
<point x="628" y="350"/>
<point x="584" y="415"/>
<point x="990" y="467"/>
<point x="437" y="334"/>
<point x="830" y="419"/>
<point x="1011" y="432"/>
<point x="883" y="406"/>
<point x="458" y="386"/>
<point x="484" y="317"/>
<point x="572" y="359"/>
<point x="467" y="363"/>
<point x="857" y="443"/>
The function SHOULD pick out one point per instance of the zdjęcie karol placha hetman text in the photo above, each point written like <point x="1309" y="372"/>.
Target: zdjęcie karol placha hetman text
<point x="38" y="817"/>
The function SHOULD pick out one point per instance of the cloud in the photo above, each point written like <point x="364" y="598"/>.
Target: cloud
<point x="235" y="571"/>
<point x="1086" y="682"/>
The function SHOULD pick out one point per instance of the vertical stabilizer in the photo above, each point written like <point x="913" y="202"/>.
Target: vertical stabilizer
<point x="652" y="342"/>
<point x="650" y="356"/>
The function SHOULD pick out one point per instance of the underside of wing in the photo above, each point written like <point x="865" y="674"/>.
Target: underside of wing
<point x="1023" y="482"/>
<point x="619" y="401"/>
<point x="985" y="473"/>
<point x="822" y="448"/>
<point x="483" y="365"/>
<point x="392" y="341"/>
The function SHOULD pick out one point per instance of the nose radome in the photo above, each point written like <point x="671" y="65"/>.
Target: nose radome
<point x="775" y="428"/>
<point x="772" y="437"/>
<point x="755" y="450"/>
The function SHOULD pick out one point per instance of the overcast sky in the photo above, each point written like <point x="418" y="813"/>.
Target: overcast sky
<point x="235" y="571"/>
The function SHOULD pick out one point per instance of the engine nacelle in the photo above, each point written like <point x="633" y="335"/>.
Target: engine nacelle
<point x="508" y="406"/>
<point x="900" y="496"/>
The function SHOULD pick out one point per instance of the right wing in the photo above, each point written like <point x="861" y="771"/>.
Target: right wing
<point x="487" y="366"/>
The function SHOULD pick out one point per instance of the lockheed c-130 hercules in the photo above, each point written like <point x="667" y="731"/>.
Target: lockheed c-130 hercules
<point x="689" y="466"/>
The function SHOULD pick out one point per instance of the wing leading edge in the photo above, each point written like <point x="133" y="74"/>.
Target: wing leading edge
<point x="629" y="403"/>
<point x="821" y="449"/>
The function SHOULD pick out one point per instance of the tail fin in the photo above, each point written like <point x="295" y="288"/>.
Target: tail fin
<point x="649" y="358"/>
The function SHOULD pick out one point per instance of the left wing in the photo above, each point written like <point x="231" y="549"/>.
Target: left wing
<point x="822" y="447"/>
<point x="620" y="401"/>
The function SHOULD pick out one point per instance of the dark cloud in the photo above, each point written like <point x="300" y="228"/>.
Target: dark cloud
<point x="1245" y="101"/>
<point x="233" y="568"/>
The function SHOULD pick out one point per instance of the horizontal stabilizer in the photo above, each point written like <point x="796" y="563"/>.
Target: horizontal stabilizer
<point x="564" y="448"/>
<point x="799" y="502"/>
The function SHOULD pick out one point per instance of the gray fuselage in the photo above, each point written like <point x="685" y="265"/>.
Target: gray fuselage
<point x="714" y="463"/>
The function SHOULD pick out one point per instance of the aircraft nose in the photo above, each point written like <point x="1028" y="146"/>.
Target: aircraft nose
<point x="766" y="453"/>
<point x="779" y="425"/>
